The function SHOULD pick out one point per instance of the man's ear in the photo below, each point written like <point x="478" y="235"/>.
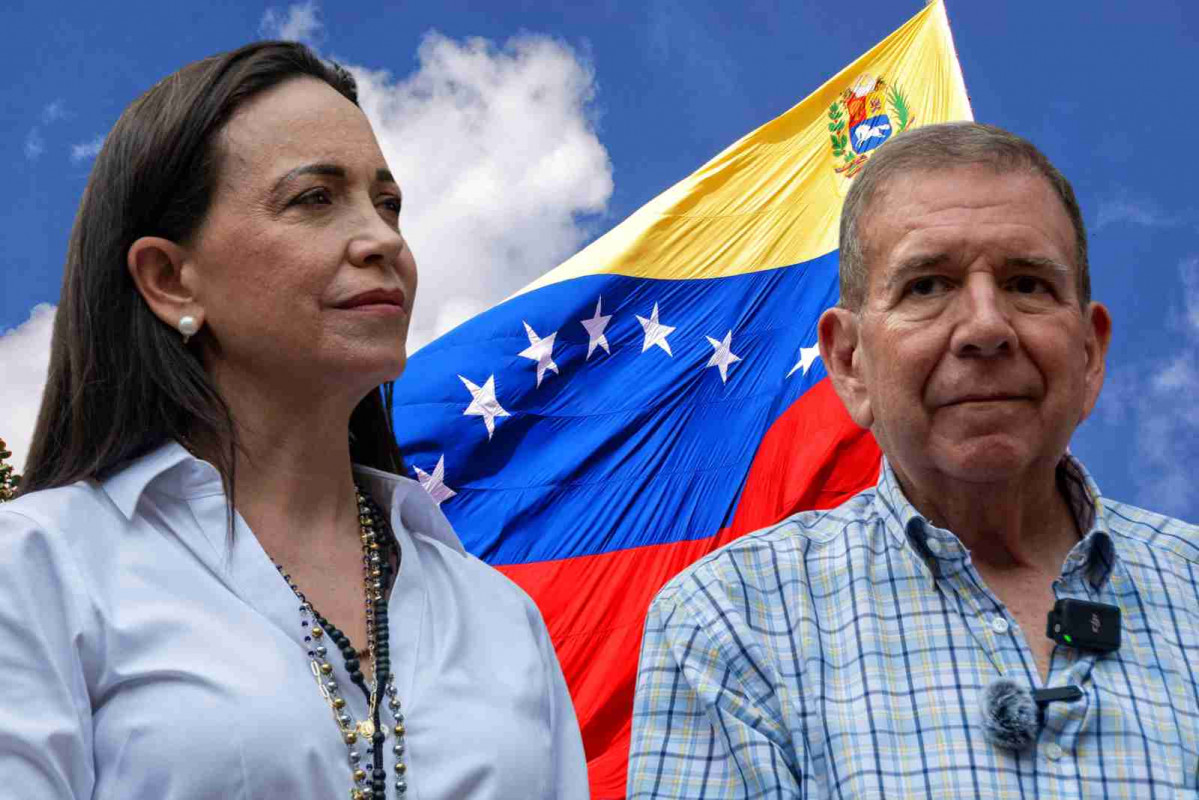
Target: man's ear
<point x="840" y="338"/>
<point x="159" y="270"/>
<point x="1099" y="335"/>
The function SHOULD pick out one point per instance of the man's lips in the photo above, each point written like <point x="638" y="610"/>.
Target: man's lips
<point x="985" y="398"/>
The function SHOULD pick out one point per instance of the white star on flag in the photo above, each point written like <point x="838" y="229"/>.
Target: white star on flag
<point x="595" y="331"/>
<point x="723" y="355"/>
<point x="435" y="484"/>
<point x="483" y="403"/>
<point x="541" y="351"/>
<point x="806" y="356"/>
<point x="655" y="332"/>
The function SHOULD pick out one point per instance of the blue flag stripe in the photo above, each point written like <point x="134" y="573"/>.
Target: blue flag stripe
<point x="627" y="447"/>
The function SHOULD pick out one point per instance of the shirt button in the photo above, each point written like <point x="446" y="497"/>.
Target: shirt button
<point x="1053" y="752"/>
<point x="999" y="625"/>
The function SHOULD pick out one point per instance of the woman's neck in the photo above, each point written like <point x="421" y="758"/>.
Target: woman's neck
<point x="293" y="483"/>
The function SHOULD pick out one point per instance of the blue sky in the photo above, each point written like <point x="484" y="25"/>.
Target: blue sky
<point x="630" y="98"/>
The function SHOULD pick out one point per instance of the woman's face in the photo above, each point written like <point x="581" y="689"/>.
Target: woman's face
<point x="305" y="216"/>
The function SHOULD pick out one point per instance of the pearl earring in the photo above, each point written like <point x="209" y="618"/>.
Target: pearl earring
<point x="188" y="327"/>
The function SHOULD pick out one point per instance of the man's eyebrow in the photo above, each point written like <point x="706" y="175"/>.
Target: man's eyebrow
<point x="912" y="265"/>
<point x="1043" y="264"/>
<point x="384" y="176"/>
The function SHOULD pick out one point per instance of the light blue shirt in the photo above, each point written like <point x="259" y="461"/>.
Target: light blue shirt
<point x="842" y="654"/>
<point x="139" y="658"/>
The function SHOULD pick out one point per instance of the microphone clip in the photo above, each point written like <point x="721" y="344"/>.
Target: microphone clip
<point x="1064" y="694"/>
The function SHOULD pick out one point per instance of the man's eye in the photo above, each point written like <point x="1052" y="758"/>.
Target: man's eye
<point x="392" y="204"/>
<point x="1027" y="284"/>
<point x="926" y="286"/>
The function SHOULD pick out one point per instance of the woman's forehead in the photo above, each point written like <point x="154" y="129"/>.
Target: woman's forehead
<point x="300" y="120"/>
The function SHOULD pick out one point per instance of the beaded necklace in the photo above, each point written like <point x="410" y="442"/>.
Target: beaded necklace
<point x="377" y="573"/>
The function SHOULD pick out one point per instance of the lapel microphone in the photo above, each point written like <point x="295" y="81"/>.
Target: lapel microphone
<point x="1012" y="714"/>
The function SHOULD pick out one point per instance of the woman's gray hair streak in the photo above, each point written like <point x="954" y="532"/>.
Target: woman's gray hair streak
<point x="940" y="147"/>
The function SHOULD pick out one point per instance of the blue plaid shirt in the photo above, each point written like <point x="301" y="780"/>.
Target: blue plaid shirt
<point x="842" y="654"/>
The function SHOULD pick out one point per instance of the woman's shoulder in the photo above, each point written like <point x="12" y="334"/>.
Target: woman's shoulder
<point x="98" y="502"/>
<point x="40" y="555"/>
<point x="61" y="537"/>
<point x="62" y="508"/>
<point x="475" y="576"/>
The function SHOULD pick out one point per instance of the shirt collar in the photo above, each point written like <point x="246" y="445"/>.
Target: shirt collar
<point x="125" y="486"/>
<point x="188" y="476"/>
<point x="411" y="504"/>
<point x="1094" y="555"/>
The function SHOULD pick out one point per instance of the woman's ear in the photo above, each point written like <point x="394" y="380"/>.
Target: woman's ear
<point x="840" y="337"/>
<point x="163" y="277"/>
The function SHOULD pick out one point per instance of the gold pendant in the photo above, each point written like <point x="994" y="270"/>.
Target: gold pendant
<point x="366" y="728"/>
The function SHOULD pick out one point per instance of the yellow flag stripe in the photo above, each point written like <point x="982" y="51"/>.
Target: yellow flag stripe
<point x="773" y="198"/>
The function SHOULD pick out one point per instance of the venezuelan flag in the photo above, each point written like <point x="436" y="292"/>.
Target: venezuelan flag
<point x="660" y="393"/>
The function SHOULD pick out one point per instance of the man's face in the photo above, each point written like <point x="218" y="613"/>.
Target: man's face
<point x="972" y="358"/>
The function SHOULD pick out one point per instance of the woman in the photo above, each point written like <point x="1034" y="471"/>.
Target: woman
<point x="196" y="580"/>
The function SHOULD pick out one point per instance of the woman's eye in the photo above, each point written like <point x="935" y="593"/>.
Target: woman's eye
<point x="314" y="197"/>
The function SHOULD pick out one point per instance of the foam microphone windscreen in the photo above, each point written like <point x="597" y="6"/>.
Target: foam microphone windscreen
<point x="1009" y="714"/>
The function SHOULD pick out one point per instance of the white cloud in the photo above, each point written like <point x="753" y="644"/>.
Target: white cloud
<point x="35" y="144"/>
<point x="35" y="140"/>
<point x="1143" y="211"/>
<point x="1160" y="399"/>
<point x="299" y="23"/>
<point x="86" y="151"/>
<point x="54" y="111"/>
<point x="497" y="156"/>
<point x="25" y="356"/>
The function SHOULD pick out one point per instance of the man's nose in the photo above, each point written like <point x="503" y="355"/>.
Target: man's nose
<point x="984" y="327"/>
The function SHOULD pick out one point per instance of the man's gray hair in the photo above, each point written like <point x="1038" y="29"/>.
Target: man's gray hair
<point x="934" y="148"/>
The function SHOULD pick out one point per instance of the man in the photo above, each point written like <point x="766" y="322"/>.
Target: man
<point x="846" y="653"/>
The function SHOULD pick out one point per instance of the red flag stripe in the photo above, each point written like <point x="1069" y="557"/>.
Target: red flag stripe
<point x="813" y="456"/>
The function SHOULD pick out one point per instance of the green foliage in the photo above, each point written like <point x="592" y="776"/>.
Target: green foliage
<point x="902" y="111"/>
<point x="8" y="481"/>
<point x="836" y="125"/>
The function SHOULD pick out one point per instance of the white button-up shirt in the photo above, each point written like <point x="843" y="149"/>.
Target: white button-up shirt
<point x="140" y="657"/>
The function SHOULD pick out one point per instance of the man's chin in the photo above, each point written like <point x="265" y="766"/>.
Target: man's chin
<point x="999" y="458"/>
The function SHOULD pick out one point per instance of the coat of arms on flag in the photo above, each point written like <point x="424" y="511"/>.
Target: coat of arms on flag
<point x="661" y="393"/>
<point x="866" y="114"/>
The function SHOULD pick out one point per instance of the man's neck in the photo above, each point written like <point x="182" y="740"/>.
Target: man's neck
<point x="1013" y="525"/>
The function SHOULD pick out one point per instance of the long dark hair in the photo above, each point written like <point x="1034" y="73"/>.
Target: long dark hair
<point x="121" y="383"/>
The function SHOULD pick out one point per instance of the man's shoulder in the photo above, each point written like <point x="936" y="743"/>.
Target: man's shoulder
<point x="1140" y="527"/>
<point x="784" y="548"/>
